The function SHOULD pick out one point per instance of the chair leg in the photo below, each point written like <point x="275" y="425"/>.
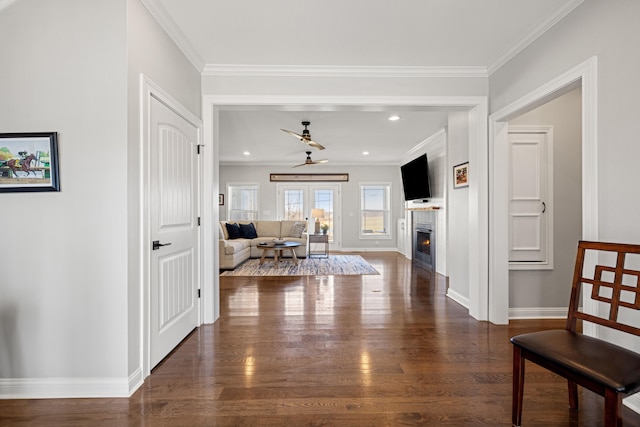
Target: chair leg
<point x="612" y="408"/>
<point x="573" y="395"/>
<point x="518" y="386"/>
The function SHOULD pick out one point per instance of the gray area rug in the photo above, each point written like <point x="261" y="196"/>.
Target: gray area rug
<point x="334" y="265"/>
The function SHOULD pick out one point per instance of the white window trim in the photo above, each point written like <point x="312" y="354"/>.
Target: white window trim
<point x="386" y="236"/>
<point x="242" y="184"/>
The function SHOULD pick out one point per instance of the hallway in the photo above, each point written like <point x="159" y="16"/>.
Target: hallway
<point x="376" y="350"/>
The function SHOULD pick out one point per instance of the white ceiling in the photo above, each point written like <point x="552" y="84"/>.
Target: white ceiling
<point x="473" y="34"/>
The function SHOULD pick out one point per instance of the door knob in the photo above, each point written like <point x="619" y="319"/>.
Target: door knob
<point x="157" y="245"/>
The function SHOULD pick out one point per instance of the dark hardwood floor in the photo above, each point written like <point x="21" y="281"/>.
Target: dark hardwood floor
<point x="377" y="350"/>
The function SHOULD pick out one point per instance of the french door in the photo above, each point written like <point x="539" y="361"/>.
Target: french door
<point x="296" y="202"/>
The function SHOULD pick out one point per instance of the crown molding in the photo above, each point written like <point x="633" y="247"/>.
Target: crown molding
<point x="168" y="24"/>
<point x="552" y="19"/>
<point x="240" y="70"/>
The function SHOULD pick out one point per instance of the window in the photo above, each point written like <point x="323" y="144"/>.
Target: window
<point x="374" y="211"/>
<point x="294" y="201"/>
<point x="243" y="202"/>
<point x="323" y="199"/>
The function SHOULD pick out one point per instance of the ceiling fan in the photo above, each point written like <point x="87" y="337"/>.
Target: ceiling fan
<point x="305" y="137"/>
<point x="308" y="161"/>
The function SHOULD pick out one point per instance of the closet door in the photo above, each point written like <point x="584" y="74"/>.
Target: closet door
<point x="530" y="191"/>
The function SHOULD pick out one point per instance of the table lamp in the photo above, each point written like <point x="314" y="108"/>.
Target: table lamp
<point x="317" y="214"/>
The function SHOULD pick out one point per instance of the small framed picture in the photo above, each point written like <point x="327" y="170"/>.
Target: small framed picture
<point x="461" y="175"/>
<point x="221" y="199"/>
<point x="29" y="162"/>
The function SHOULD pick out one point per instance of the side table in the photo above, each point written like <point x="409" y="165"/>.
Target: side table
<point x="319" y="238"/>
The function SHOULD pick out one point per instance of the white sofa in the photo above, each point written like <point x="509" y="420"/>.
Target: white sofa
<point x="233" y="252"/>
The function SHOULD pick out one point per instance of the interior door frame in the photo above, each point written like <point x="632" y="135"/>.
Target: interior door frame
<point x="477" y="107"/>
<point x="584" y="74"/>
<point x="149" y="90"/>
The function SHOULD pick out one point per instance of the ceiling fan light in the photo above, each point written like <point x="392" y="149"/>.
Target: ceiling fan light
<point x="394" y="118"/>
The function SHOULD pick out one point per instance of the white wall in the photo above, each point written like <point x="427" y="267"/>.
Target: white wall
<point x="350" y="201"/>
<point x="535" y="289"/>
<point x="344" y="86"/>
<point x="151" y="52"/>
<point x="610" y="33"/>
<point x="70" y="286"/>
<point x="64" y="269"/>
<point x="458" y="208"/>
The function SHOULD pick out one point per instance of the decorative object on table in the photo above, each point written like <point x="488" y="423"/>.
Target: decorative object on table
<point x="461" y="175"/>
<point x="332" y="265"/>
<point x="325" y="228"/>
<point x="317" y="214"/>
<point x="221" y="199"/>
<point x="29" y="162"/>
<point x="305" y="137"/>
<point x="308" y="161"/>
<point x="279" y="241"/>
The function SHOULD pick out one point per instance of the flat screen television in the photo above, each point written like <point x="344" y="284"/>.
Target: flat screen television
<point x="415" y="179"/>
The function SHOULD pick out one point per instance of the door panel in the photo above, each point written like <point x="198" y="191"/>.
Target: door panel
<point x="529" y="197"/>
<point x="173" y="207"/>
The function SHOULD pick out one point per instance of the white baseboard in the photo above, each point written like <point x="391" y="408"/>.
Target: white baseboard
<point x="462" y="300"/>
<point x="538" y="313"/>
<point x="135" y="380"/>
<point x="63" y="388"/>
<point x="633" y="403"/>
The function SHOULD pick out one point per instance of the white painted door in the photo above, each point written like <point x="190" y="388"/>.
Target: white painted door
<point x="530" y="188"/>
<point x="174" y="216"/>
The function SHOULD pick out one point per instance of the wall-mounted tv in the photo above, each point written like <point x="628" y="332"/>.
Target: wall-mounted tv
<point x="415" y="179"/>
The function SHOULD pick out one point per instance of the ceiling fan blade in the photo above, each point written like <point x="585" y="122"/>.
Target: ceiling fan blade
<point x="312" y="143"/>
<point x="317" y="162"/>
<point x="304" y="138"/>
<point x="293" y="134"/>
<point x="301" y="164"/>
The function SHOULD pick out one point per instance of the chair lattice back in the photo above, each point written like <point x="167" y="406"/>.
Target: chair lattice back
<point x="608" y="285"/>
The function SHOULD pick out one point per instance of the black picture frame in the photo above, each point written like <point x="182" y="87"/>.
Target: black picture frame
<point x="29" y="162"/>
<point x="220" y="199"/>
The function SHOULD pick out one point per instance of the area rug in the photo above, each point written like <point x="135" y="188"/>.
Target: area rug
<point x="334" y="265"/>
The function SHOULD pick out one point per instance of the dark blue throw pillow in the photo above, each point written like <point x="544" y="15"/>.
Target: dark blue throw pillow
<point x="248" y="231"/>
<point x="233" y="230"/>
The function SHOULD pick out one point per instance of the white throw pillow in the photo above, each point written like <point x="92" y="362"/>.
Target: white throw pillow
<point x="297" y="229"/>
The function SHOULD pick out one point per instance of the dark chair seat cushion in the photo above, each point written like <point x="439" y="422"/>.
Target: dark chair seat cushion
<point x="605" y="363"/>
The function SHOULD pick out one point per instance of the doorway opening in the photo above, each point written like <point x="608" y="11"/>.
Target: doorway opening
<point x="584" y="76"/>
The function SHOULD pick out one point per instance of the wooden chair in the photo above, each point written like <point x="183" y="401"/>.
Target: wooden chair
<point x="604" y="368"/>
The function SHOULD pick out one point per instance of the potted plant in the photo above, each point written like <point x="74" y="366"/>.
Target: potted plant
<point x="324" y="228"/>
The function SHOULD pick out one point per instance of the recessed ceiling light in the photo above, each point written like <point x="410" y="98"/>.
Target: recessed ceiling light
<point x="246" y="153"/>
<point x="365" y="153"/>
<point x="394" y="118"/>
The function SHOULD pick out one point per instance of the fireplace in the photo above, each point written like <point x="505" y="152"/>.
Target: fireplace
<point x="424" y="253"/>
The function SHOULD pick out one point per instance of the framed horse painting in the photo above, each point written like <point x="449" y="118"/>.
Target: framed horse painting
<point x="29" y="162"/>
